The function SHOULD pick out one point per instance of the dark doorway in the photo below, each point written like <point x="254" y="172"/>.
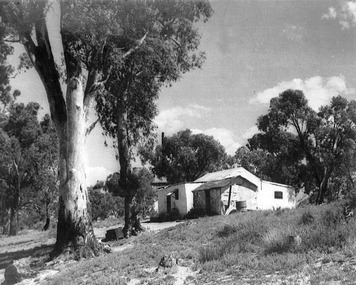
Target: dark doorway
<point x="207" y="202"/>
<point x="169" y="204"/>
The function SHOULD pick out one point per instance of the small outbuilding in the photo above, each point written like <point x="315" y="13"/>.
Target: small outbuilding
<point x="178" y="197"/>
<point x="223" y="191"/>
<point x="241" y="190"/>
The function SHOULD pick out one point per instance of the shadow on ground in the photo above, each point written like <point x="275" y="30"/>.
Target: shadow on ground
<point x="38" y="251"/>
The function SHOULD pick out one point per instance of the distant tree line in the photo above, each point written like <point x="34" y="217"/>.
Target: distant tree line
<point x="313" y="150"/>
<point x="28" y="166"/>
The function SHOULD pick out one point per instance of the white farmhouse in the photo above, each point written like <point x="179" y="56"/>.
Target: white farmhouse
<point x="220" y="192"/>
<point x="178" y="196"/>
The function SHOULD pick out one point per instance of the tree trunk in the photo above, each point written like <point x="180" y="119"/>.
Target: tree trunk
<point x="128" y="225"/>
<point x="124" y="159"/>
<point x="48" y="219"/>
<point x="46" y="226"/>
<point x="74" y="228"/>
<point x="135" y="221"/>
<point x="323" y="186"/>
<point x="13" y="221"/>
<point x="14" y="209"/>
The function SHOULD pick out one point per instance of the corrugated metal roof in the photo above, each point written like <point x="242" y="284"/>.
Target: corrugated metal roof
<point x="277" y="184"/>
<point x="229" y="173"/>
<point x="225" y="183"/>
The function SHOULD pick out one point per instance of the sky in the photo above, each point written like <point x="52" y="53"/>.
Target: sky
<point x="255" y="50"/>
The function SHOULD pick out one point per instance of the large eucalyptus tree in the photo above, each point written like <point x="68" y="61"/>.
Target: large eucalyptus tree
<point x="169" y="48"/>
<point x="97" y="41"/>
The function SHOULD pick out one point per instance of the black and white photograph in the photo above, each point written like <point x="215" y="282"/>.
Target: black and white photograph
<point x="177" y="142"/>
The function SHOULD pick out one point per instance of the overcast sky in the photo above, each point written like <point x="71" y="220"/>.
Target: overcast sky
<point x="255" y="50"/>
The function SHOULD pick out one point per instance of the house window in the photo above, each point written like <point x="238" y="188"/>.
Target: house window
<point x="278" y="195"/>
<point x="176" y="194"/>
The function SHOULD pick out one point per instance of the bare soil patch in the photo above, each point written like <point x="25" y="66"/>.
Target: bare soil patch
<point x="37" y="244"/>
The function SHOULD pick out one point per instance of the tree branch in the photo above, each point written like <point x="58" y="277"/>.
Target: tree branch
<point x="131" y="50"/>
<point x="91" y="127"/>
<point x="11" y="41"/>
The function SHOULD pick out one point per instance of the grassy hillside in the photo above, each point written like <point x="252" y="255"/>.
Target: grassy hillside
<point x="241" y="248"/>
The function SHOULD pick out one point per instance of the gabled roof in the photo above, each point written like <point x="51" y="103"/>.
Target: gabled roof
<point x="226" y="183"/>
<point x="230" y="173"/>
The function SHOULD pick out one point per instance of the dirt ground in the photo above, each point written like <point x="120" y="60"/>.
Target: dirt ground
<point x="100" y="232"/>
<point x="31" y="242"/>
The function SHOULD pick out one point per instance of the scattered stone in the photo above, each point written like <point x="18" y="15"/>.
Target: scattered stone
<point x="295" y="240"/>
<point x="169" y="262"/>
<point x="17" y="271"/>
<point x="12" y="276"/>
<point x="107" y="248"/>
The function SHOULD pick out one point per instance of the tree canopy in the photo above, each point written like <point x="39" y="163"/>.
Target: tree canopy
<point x="168" y="48"/>
<point x="97" y="37"/>
<point x="23" y="148"/>
<point x="307" y="148"/>
<point x="185" y="156"/>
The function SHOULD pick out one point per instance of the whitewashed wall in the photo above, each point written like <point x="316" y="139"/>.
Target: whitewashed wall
<point x="189" y="187"/>
<point x="266" y="196"/>
<point x="185" y="198"/>
<point x="241" y="193"/>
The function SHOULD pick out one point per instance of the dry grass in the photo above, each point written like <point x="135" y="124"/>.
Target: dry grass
<point x="238" y="244"/>
<point x="243" y="246"/>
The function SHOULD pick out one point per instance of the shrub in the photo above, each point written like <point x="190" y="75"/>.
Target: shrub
<point x="195" y="213"/>
<point x="307" y="218"/>
<point x="174" y="215"/>
<point x="104" y="204"/>
<point x="163" y="217"/>
<point x="277" y="240"/>
<point x="227" y="230"/>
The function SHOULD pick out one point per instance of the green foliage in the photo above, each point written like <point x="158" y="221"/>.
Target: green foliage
<point x="18" y="134"/>
<point x="196" y="213"/>
<point x="174" y="215"/>
<point x="151" y="44"/>
<point x="307" y="218"/>
<point x="44" y="193"/>
<point x="104" y="204"/>
<point x="311" y="229"/>
<point x="260" y="162"/>
<point x="185" y="157"/>
<point x="145" y="195"/>
<point x="304" y="148"/>
<point x="140" y="185"/>
<point x="28" y="165"/>
<point x="128" y="49"/>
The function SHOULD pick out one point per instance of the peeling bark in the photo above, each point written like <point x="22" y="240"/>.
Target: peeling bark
<point x="74" y="222"/>
<point x="74" y="228"/>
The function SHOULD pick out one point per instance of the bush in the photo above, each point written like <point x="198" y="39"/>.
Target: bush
<point x="174" y="215"/>
<point x="104" y="204"/>
<point x="307" y="218"/>
<point x="277" y="241"/>
<point x="266" y="234"/>
<point x="195" y="213"/>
